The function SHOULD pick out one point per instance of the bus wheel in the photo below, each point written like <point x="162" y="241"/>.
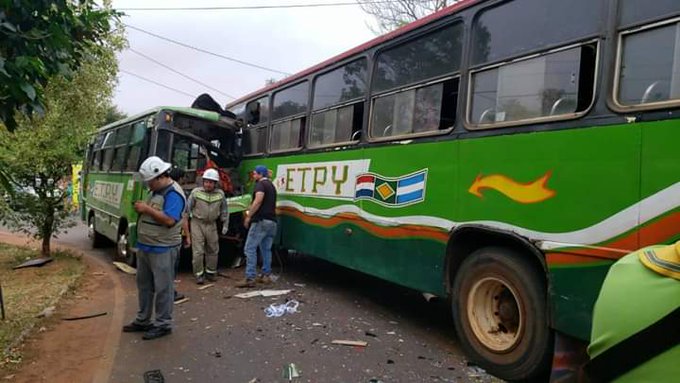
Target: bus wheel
<point x="500" y="313"/>
<point x="96" y="239"/>
<point x="123" y="249"/>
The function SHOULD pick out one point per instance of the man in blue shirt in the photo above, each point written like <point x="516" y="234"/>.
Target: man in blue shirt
<point x="159" y="237"/>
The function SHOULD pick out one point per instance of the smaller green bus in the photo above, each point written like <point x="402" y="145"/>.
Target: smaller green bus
<point x="190" y="139"/>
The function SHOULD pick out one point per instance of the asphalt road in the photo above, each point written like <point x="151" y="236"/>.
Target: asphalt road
<point x="222" y="338"/>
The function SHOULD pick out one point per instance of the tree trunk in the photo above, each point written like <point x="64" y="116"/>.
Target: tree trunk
<point x="46" y="246"/>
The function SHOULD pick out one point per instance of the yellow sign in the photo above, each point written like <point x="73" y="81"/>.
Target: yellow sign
<point x="75" y="183"/>
<point x="531" y="192"/>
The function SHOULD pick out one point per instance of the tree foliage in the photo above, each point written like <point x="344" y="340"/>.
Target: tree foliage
<point x="40" y="39"/>
<point x="114" y="114"/>
<point x="392" y="15"/>
<point x="40" y="151"/>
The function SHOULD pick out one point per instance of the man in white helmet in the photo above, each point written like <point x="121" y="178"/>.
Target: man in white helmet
<point x="206" y="205"/>
<point x="159" y="237"/>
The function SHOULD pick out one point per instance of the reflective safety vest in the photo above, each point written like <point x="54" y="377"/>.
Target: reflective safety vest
<point x="208" y="206"/>
<point x="152" y="233"/>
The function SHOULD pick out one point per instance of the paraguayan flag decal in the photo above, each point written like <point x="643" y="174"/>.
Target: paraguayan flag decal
<point x="391" y="191"/>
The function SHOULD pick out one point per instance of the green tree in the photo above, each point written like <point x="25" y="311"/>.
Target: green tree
<point x="39" y="153"/>
<point x="113" y="114"/>
<point x="40" y="39"/>
<point x="392" y="15"/>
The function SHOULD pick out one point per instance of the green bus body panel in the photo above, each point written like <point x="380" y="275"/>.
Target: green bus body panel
<point x="584" y="184"/>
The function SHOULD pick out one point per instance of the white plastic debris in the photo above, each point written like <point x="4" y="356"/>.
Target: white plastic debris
<point x="274" y="311"/>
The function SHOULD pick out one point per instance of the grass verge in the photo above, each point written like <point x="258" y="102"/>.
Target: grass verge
<point x="27" y="292"/>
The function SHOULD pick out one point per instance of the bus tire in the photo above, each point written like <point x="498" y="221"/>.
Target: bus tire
<point x="97" y="240"/>
<point x="499" y="302"/>
<point x="124" y="251"/>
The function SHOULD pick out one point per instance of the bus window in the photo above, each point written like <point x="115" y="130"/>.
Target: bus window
<point x="286" y="134"/>
<point x="97" y="152"/>
<point x="121" y="147"/>
<point x="163" y="145"/>
<point x="255" y="140"/>
<point x="424" y="58"/>
<point x="649" y="68"/>
<point x="552" y="85"/>
<point x="521" y="26"/>
<point x="417" y="109"/>
<point x="257" y="117"/>
<point x="635" y="11"/>
<point x="257" y="112"/>
<point x="138" y="145"/>
<point x="107" y="148"/>
<point x="426" y="109"/>
<point x="335" y="118"/>
<point x="289" y="108"/>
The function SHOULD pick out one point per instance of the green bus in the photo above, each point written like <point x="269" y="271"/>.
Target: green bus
<point x="501" y="154"/>
<point x="190" y="139"/>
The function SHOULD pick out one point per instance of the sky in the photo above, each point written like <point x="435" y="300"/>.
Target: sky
<point x="287" y="40"/>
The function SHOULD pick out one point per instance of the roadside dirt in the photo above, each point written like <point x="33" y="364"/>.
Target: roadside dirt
<point x="75" y="351"/>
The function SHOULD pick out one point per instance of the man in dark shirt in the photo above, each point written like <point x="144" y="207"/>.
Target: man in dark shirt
<point x="261" y="219"/>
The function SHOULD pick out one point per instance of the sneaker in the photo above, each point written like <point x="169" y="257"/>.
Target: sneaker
<point x="200" y="280"/>
<point x="156" y="332"/>
<point x="136" y="327"/>
<point x="266" y="280"/>
<point x="210" y="277"/>
<point x="246" y="283"/>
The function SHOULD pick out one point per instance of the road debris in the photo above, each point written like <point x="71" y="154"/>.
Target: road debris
<point x="209" y="285"/>
<point x="357" y="343"/>
<point x="372" y="335"/>
<point x="88" y="316"/>
<point x="124" y="267"/>
<point x="47" y="312"/>
<point x="183" y="300"/>
<point x="264" y="293"/>
<point x="290" y="372"/>
<point x="38" y="262"/>
<point x="275" y="311"/>
<point x="98" y="273"/>
<point x="154" y="376"/>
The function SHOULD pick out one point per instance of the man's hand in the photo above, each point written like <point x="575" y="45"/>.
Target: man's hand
<point x="141" y="207"/>
<point x="187" y="241"/>
<point x="225" y="229"/>
<point x="246" y="222"/>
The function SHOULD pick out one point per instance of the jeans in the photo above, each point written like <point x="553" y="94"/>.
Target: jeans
<point x="155" y="274"/>
<point x="261" y="235"/>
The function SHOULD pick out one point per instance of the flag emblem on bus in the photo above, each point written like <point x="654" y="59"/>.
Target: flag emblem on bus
<point x="391" y="191"/>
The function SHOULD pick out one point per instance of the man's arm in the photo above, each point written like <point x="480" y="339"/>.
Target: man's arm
<point x="257" y="202"/>
<point x="171" y="213"/>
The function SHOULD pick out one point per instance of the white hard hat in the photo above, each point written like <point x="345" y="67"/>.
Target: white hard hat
<point x="153" y="167"/>
<point x="212" y="175"/>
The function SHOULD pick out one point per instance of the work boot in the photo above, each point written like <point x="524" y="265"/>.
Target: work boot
<point x="136" y="327"/>
<point x="265" y="279"/>
<point x="210" y="277"/>
<point x="156" y="332"/>
<point x="200" y="280"/>
<point x="247" y="282"/>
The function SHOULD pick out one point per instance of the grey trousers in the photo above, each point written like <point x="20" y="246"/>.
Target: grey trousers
<point x="204" y="246"/>
<point x="155" y="279"/>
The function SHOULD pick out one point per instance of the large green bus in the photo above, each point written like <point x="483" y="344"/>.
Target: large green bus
<point x="502" y="154"/>
<point x="190" y="139"/>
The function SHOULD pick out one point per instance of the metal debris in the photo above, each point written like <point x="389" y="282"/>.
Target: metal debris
<point x="38" y="262"/>
<point x="124" y="267"/>
<point x="356" y="343"/>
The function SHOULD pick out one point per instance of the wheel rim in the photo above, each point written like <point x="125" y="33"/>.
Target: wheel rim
<point x="495" y="314"/>
<point x="123" y="246"/>
<point x="90" y="228"/>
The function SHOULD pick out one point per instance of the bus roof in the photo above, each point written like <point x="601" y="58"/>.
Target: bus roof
<point x="198" y="113"/>
<point x="453" y="8"/>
